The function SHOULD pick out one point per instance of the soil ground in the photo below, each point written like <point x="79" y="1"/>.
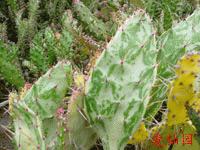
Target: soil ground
<point x="5" y="142"/>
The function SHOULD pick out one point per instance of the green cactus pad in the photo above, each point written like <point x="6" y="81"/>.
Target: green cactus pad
<point x="10" y="67"/>
<point x="36" y="114"/>
<point x="118" y="89"/>
<point x="28" y="128"/>
<point x="173" y="44"/>
<point x="94" y="25"/>
<point x="195" y="118"/>
<point x="38" y="55"/>
<point x="80" y="134"/>
<point x="183" y="37"/>
<point x="49" y="90"/>
<point x="186" y="138"/>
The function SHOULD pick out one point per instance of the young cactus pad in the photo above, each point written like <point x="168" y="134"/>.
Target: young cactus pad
<point x="182" y="91"/>
<point x="49" y="90"/>
<point x="118" y="89"/>
<point x="32" y="114"/>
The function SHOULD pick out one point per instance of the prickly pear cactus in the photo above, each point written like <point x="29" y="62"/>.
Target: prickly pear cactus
<point x="10" y="68"/>
<point x="117" y="91"/>
<point x="93" y="24"/>
<point x="37" y="116"/>
<point x="173" y="44"/>
<point x="80" y="133"/>
<point x="187" y="139"/>
<point x="181" y="92"/>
